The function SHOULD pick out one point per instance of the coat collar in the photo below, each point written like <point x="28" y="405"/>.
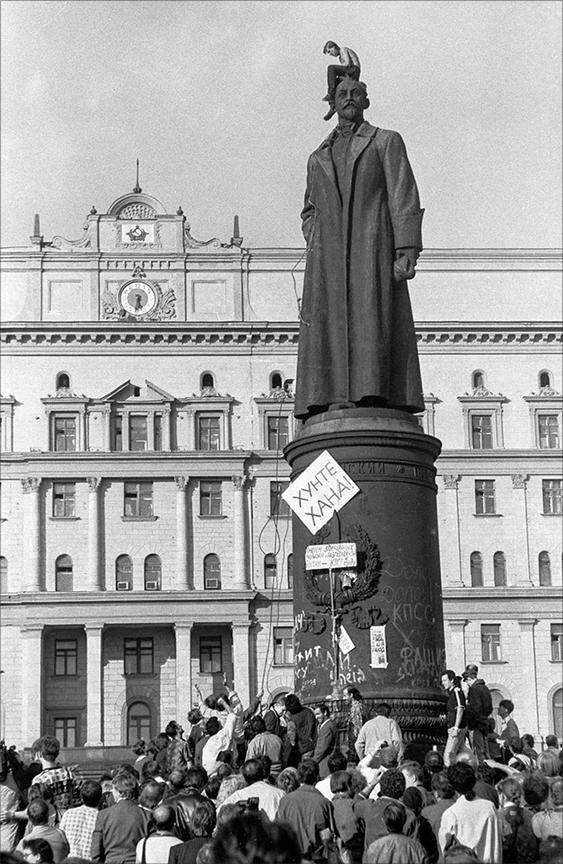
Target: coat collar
<point x="358" y="142"/>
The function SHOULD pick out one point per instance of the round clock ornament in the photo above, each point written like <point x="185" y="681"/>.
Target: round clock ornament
<point x="138" y="298"/>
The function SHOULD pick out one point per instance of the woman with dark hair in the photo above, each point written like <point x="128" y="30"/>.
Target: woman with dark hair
<point x="202" y="824"/>
<point x="37" y="851"/>
<point x="471" y="821"/>
<point x="349" y="827"/>
<point x="249" y="838"/>
<point x="357" y="716"/>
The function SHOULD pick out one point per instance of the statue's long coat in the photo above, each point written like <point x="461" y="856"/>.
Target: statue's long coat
<point x="357" y="334"/>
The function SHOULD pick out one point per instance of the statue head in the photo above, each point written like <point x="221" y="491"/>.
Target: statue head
<point x="351" y="100"/>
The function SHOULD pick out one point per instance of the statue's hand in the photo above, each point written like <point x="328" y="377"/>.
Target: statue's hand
<point x="405" y="263"/>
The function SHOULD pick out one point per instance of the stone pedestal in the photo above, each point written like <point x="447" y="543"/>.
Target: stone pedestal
<point x="391" y="609"/>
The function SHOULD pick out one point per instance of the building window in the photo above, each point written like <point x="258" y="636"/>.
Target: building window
<point x="290" y="570"/>
<point x="485" y="497"/>
<point x="158" y="432"/>
<point x="118" y="432"/>
<point x="153" y="573"/>
<point x="138" y="656"/>
<point x="270" y="570"/>
<point x="551" y="490"/>
<point x="499" y="569"/>
<point x="124" y="573"/>
<point x="138" y="500"/>
<point x="283" y="646"/>
<point x="276" y="381"/>
<point x="278" y="432"/>
<point x="557" y="712"/>
<point x="66" y="657"/>
<point x="210" y="498"/>
<point x="211" y="573"/>
<point x="65" y="730"/>
<point x="138" y="432"/>
<point x="208" y="432"/>
<point x="544" y="379"/>
<point x="207" y="385"/>
<point x="63" y="573"/>
<point x="278" y="507"/>
<point x="3" y="575"/>
<point x="490" y="643"/>
<point x="64" y="433"/>
<point x="62" y="381"/>
<point x="548" y="431"/>
<point x="139" y="723"/>
<point x="481" y="431"/>
<point x="476" y="569"/>
<point x="544" y="569"/>
<point x="210" y="654"/>
<point x="477" y="379"/>
<point x="64" y="499"/>
<point x="557" y="641"/>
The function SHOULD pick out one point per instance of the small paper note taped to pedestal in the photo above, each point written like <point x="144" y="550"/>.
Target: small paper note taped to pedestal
<point x="378" y="645"/>
<point x="345" y="643"/>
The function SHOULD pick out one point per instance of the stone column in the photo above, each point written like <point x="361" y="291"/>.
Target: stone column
<point x="451" y="554"/>
<point x="240" y="558"/>
<point x="32" y="664"/>
<point x="241" y="661"/>
<point x="183" y="580"/>
<point x="94" y="697"/>
<point x="125" y="431"/>
<point x="183" y="671"/>
<point x="166" y="426"/>
<point x="150" y="430"/>
<point x="106" y="415"/>
<point x="457" y="634"/>
<point x="32" y="534"/>
<point x="524" y="576"/>
<point x="94" y="534"/>
<point x="529" y="715"/>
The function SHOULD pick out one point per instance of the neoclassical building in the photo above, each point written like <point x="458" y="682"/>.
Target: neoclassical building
<point x="147" y="393"/>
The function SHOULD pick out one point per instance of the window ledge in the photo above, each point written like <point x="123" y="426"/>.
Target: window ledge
<point x="211" y="516"/>
<point x="494" y="662"/>
<point x="552" y="514"/>
<point x="139" y="675"/>
<point x="64" y="518"/>
<point x="139" y="518"/>
<point x="282" y="665"/>
<point x="556" y="661"/>
<point x="487" y="515"/>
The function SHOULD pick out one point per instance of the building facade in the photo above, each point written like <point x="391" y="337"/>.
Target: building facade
<point x="147" y="394"/>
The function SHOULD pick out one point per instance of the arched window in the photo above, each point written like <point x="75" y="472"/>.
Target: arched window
<point x="478" y="379"/>
<point x="557" y="712"/>
<point x="496" y="697"/>
<point x="290" y="570"/>
<point x="124" y="573"/>
<point x="3" y="575"/>
<point x="499" y="569"/>
<point x="275" y="381"/>
<point x="270" y="570"/>
<point x="153" y="573"/>
<point x="62" y="381"/>
<point x="544" y="568"/>
<point x="207" y="384"/>
<point x="476" y="569"/>
<point x="139" y="722"/>
<point x="63" y="573"/>
<point x="544" y="378"/>
<point x="211" y="572"/>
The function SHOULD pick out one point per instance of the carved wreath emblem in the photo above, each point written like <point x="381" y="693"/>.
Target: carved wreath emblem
<point x="348" y="589"/>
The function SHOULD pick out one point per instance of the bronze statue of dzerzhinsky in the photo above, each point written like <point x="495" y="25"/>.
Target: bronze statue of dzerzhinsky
<point x="362" y="224"/>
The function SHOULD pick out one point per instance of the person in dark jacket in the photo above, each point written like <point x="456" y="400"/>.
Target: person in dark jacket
<point x="305" y="725"/>
<point x="119" y="828"/>
<point x="479" y="709"/>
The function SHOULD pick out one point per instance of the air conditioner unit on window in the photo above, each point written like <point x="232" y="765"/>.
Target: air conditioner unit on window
<point x="124" y="586"/>
<point x="210" y="584"/>
<point x="152" y="586"/>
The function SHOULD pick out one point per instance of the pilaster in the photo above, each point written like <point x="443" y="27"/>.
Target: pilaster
<point x="182" y="572"/>
<point x="32" y="664"/>
<point x="32" y="534"/>
<point x="240" y="562"/>
<point x="94" y="534"/>
<point x="94" y="697"/>
<point x="183" y="671"/>
<point x="241" y="661"/>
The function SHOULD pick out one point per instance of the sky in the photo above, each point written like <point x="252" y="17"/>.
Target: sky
<point x="221" y="103"/>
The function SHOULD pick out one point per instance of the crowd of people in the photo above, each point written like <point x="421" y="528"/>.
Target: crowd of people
<point x="281" y="784"/>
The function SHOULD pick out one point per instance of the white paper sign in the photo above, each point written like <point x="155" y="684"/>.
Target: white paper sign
<point x="345" y="643"/>
<point x="378" y="646"/>
<point x="321" y="490"/>
<point x="330" y="556"/>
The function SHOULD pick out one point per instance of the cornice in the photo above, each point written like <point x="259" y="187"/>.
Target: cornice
<point x="431" y="335"/>
<point x="499" y="461"/>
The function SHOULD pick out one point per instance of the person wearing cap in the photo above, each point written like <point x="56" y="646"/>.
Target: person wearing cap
<point x="479" y="709"/>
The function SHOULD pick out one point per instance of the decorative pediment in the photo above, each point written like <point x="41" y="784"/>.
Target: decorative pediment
<point x="130" y="392"/>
